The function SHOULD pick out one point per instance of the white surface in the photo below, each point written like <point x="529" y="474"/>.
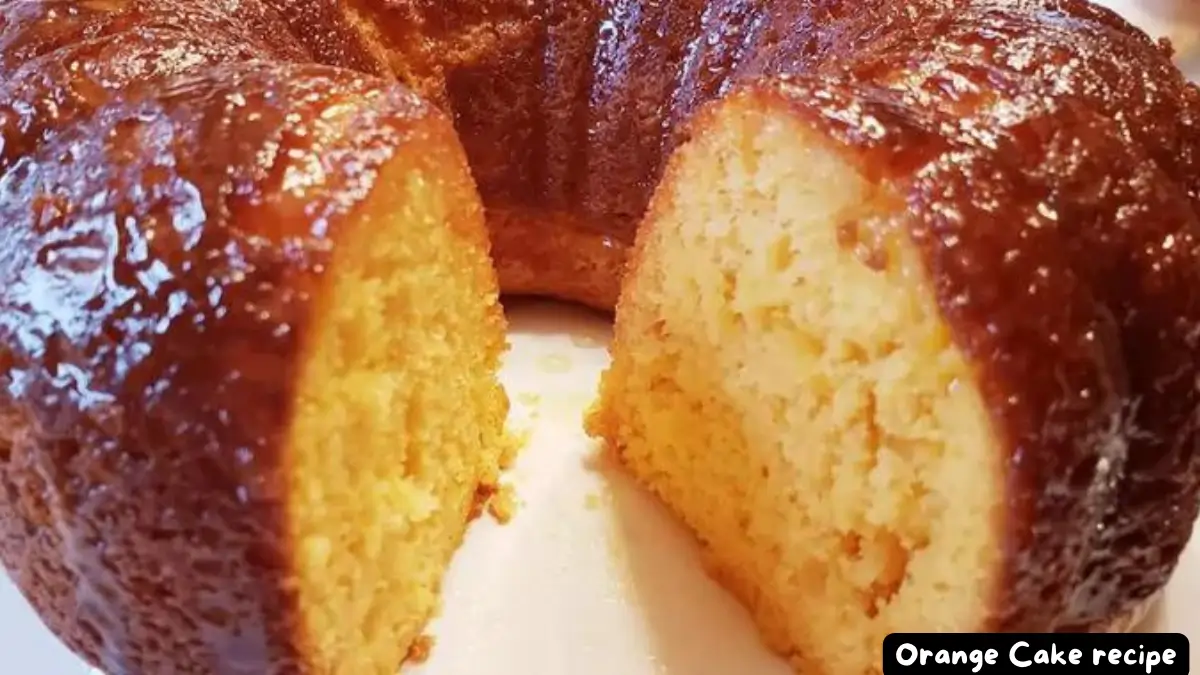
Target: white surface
<point x="591" y="577"/>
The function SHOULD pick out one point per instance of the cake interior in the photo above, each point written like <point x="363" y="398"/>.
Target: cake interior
<point x="783" y="381"/>
<point x="399" y="418"/>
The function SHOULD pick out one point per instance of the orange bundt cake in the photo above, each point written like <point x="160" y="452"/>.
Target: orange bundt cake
<point x="905" y="334"/>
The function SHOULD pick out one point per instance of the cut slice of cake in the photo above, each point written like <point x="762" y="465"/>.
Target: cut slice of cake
<point x="882" y="403"/>
<point x="273" y="334"/>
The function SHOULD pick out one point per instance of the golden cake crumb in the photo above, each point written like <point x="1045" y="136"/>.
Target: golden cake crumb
<point x="420" y="650"/>
<point x="825" y="373"/>
<point x="592" y="501"/>
<point x="520" y="437"/>
<point x="483" y="495"/>
<point x="503" y="504"/>
<point x="397" y="417"/>
<point x="514" y="443"/>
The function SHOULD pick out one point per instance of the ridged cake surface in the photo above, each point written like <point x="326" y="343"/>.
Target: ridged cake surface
<point x="251" y="253"/>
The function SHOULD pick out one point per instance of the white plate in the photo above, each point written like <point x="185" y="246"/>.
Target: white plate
<point x="591" y="577"/>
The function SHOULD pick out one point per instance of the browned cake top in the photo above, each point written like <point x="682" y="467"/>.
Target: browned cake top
<point x="157" y="259"/>
<point x="150" y="197"/>
<point x="572" y="106"/>
<point x="1064" y="262"/>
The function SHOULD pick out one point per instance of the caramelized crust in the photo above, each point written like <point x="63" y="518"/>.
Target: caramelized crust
<point x="159" y="262"/>
<point x="570" y="108"/>
<point x="60" y="62"/>
<point x="1074" y="304"/>
<point x="939" y="362"/>
<point x="172" y="173"/>
<point x="1061" y="260"/>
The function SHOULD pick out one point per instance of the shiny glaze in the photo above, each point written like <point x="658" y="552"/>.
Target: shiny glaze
<point x="570" y="107"/>
<point x="1070" y="282"/>
<point x="158" y="260"/>
<point x="1064" y="264"/>
<point x="1059" y="227"/>
<point x="152" y="256"/>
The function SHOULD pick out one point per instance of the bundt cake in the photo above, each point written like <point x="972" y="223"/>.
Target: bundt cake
<point x="905" y="334"/>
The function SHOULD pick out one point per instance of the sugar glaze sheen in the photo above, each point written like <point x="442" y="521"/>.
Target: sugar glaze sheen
<point x="174" y="177"/>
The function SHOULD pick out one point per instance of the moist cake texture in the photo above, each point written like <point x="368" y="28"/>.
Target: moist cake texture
<point x="903" y="300"/>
